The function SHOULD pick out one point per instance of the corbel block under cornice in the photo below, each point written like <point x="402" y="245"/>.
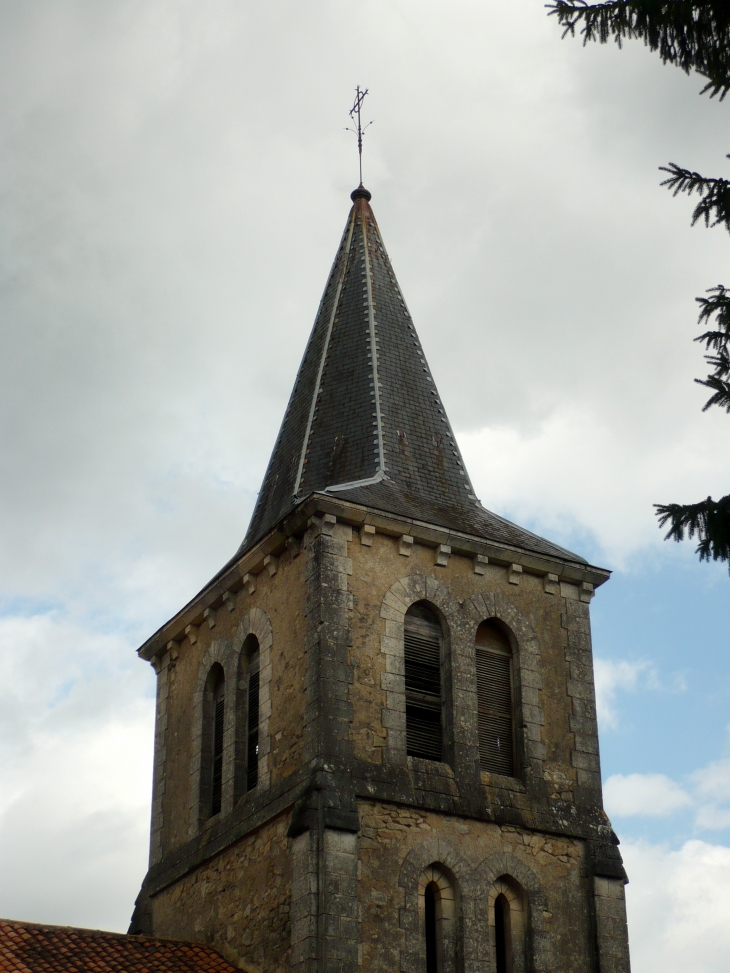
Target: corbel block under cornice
<point x="252" y="561"/>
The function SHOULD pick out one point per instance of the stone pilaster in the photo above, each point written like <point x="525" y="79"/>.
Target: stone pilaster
<point x="329" y="638"/>
<point x="611" y="928"/>
<point x="304" y="903"/>
<point x="338" y="910"/>
<point x="582" y="719"/>
<point x="160" y="759"/>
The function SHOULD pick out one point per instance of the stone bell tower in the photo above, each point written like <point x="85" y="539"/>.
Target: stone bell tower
<point x="376" y="744"/>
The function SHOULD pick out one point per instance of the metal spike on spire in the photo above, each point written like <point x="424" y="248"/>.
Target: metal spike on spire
<point x="355" y="116"/>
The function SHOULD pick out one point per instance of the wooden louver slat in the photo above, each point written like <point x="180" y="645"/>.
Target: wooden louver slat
<point x="496" y="730"/>
<point x="422" y="650"/>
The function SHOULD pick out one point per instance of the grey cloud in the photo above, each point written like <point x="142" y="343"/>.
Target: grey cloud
<point x="173" y="182"/>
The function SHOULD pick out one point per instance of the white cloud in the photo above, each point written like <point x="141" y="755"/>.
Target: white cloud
<point x="678" y="907"/>
<point x="712" y="785"/>
<point x="76" y="726"/>
<point x="577" y="471"/>
<point x="707" y="791"/>
<point x="153" y="320"/>
<point x="713" y="781"/>
<point x="173" y="181"/>
<point x="611" y="676"/>
<point x="651" y="795"/>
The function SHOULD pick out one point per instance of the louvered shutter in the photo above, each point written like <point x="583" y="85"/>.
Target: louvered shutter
<point x="496" y="730"/>
<point x="422" y="650"/>
<point x="217" y="787"/>
<point x="252" y="747"/>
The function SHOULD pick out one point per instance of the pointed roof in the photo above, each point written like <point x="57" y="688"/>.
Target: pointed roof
<point x="365" y="421"/>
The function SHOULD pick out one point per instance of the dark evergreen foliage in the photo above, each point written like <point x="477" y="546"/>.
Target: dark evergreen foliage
<point x="714" y="204"/>
<point x="708" y="520"/>
<point x="694" y="35"/>
<point x="718" y="341"/>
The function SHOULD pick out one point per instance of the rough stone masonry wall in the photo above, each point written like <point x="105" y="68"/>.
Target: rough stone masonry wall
<point x="160" y="760"/>
<point x="324" y="891"/>
<point x="331" y="691"/>
<point x="581" y="692"/>
<point x="534" y="610"/>
<point x="397" y="843"/>
<point x="611" y="927"/>
<point x="279" y="598"/>
<point x="325" y="927"/>
<point x="238" y="902"/>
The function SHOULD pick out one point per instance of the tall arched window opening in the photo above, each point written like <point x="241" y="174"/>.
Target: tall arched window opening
<point x="503" y="934"/>
<point x="423" y="646"/>
<point x="432" y="950"/>
<point x="251" y="647"/>
<point x="213" y="729"/>
<point x="438" y="930"/>
<point x="509" y="920"/>
<point x="495" y="700"/>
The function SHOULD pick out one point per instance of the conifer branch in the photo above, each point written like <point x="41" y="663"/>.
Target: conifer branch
<point x="718" y="304"/>
<point x="718" y="341"/>
<point x="714" y="204"/>
<point x="708" y="520"/>
<point x="694" y="35"/>
<point x="721" y="389"/>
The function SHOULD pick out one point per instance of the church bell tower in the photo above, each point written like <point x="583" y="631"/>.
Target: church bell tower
<point x="376" y="744"/>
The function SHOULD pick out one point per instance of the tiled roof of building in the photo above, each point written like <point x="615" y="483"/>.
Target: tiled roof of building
<point x="26" y="947"/>
<point x="365" y="421"/>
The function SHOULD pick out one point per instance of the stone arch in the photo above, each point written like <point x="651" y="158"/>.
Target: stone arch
<point x="445" y="918"/>
<point x="255" y="622"/>
<point x="506" y="874"/>
<point x="529" y="715"/>
<point x="219" y="652"/>
<point x="513" y="896"/>
<point x="437" y="860"/>
<point x="446" y="885"/>
<point x="398" y="599"/>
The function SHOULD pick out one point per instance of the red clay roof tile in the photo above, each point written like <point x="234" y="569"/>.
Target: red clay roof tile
<point x="27" y="947"/>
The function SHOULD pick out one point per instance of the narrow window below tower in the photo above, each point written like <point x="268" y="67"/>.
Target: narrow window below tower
<point x="503" y="934"/>
<point x="252" y="717"/>
<point x="432" y="946"/>
<point x="218" y="714"/>
<point x="495" y="700"/>
<point x="423" y="641"/>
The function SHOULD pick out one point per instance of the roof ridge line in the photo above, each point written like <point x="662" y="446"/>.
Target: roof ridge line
<point x="472" y="492"/>
<point x="325" y="346"/>
<point x="373" y="345"/>
<point x="353" y="484"/>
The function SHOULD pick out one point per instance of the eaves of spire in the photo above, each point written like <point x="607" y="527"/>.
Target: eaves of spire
<point x="365" y="421"/>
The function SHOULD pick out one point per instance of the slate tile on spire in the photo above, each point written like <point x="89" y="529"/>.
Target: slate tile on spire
<point x="365" y="421"/>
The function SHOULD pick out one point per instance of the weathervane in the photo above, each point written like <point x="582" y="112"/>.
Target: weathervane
<point x="355" y="116"/>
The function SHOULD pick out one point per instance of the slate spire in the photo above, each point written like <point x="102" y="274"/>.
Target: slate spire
<point x="365" y="421"/>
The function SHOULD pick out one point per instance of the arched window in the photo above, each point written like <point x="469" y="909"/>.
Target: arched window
<point x="251" y="649"/>
<point x="438" y="914"/>
<point x="495" y="700"/>
<point x="431" y="897"/>
<point x="211" y="779"/>
<point x="423" y="640"/>
<point x="503" y="934"/>
<point x="508" y="919"/>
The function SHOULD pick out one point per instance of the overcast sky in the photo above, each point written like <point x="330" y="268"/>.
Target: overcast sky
<point x="174" y="179"/>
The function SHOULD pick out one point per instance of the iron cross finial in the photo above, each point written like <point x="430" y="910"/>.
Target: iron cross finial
<point x="355" y="116"/>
